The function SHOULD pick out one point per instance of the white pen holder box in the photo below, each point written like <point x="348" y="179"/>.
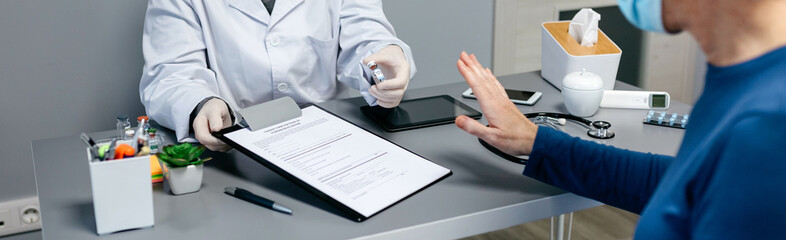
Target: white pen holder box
<point x="122" y="193"/>
<point x="561" y="54"/>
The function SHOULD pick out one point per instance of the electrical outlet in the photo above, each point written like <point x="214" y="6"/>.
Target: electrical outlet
<point x="5" y="219"/>
<point x="20" y="215"/>
<point x="29" y="214"/>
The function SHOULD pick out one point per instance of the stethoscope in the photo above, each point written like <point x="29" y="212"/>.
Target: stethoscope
<point x="597" y="129"/>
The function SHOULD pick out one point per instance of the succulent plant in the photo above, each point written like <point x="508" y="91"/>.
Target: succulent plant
<point x="182" y="155"/>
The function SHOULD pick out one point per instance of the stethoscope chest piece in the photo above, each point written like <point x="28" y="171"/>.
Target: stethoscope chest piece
<point x="601" y="130"/>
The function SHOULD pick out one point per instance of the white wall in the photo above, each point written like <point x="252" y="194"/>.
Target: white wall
<point x="517" y="30"/>
<point x="674" y="64"/>
<point x="670" y="61"/>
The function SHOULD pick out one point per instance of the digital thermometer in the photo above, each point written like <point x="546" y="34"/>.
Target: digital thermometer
<point x="635" y="99"/>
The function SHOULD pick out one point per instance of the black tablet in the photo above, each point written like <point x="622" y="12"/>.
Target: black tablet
<point x="421" y="112"/>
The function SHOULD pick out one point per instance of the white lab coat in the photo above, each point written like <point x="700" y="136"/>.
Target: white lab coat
<point x="235" y="50"/>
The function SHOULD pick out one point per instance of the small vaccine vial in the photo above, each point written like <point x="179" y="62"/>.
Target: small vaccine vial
<point x="147" y="122"/>
<point x="122" y="125"/>
<point x="152" y="141"/>
<point x="376" y="73"/>
<point x="141" y="136"/>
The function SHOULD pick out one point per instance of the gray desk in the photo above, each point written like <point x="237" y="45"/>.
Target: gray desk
<point x="485" y="192"/>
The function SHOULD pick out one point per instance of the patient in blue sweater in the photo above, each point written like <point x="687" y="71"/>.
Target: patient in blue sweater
<point x="728" y="180"/>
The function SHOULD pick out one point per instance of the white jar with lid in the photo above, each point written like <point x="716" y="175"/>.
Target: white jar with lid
<point x="582" y="92"/>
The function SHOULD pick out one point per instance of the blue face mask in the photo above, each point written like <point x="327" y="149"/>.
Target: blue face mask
<point x="644" y="14"/>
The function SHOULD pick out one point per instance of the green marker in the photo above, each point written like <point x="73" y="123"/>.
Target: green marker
<point x="102" y="150"/>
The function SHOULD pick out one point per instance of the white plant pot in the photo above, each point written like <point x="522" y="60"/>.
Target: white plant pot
<point x="183" y="180"/>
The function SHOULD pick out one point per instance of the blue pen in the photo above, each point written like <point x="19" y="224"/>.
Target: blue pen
<point x="256" y="199"/>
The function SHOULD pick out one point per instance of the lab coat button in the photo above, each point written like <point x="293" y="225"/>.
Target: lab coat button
<point x="274" y="41"/>
<point x="282" y="87"/>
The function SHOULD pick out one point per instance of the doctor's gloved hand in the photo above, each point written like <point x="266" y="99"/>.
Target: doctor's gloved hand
<point x="213" y="117"/>
<point x="394" y="65"/>
<point x="508" y="129"/>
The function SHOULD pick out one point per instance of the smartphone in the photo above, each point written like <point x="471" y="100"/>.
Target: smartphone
<point x="516" y="96"/>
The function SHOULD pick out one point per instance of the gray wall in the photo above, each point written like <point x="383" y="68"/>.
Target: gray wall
<point x="438" y="30"/>
<point x="65" y="67"/>
<point x="70" y="66"/>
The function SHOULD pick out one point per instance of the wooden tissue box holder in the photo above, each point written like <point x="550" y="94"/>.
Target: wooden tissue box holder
<point x="561" y="55"/>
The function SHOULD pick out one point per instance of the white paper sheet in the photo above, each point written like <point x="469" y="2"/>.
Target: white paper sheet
<point x="360" y="170"/>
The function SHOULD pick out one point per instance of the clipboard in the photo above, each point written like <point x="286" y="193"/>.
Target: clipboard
<point x="355" y="210"/>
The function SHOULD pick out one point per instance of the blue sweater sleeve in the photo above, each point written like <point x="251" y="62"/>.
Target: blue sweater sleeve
<point x="744" y="196"/>
<point x="617" y="177"/>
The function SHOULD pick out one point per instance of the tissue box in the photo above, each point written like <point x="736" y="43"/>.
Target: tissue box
<point x="561" y="55"/>
<point x="122" y="193"/>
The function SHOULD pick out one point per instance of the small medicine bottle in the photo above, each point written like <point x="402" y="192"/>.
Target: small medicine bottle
<point x="147" y="122"/>
<point x="142" y="136"/>
<point x="122" y="125"/>
<point x="376" y="73"/>
<point x="153" y="141"/>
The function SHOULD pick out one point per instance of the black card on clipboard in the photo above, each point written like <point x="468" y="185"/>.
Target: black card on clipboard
<point x="420" y="112"/>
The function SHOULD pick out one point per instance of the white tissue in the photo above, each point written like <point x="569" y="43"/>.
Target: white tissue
<point x="584" y="27"/>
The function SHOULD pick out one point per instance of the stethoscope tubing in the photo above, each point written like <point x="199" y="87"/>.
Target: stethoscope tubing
<point x="522" y="161"/>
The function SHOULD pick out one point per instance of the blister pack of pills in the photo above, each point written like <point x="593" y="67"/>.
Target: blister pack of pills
<point x="666" y="119"/>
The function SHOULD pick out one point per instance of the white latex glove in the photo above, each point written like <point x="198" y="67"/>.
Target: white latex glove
<point x="213" y="117"/>
<point x="394" y="65"/>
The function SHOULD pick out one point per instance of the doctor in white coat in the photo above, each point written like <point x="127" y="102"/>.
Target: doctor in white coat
<point x="206" y="58"/>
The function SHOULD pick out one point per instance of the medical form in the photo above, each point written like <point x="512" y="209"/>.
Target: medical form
<point x="359" y="171"/>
